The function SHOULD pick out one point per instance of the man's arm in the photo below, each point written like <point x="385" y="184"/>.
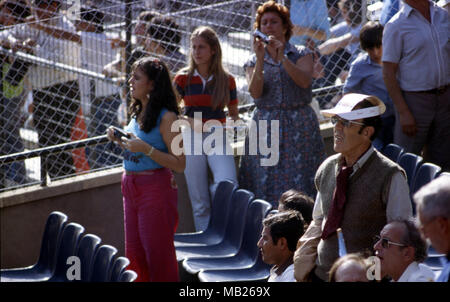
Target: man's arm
<point x="306" y="253"/>
<point x="399" y="203"/>
<point x="407" y="121"/>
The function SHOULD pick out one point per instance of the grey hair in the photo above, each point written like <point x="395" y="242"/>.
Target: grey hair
<point x="433" y="199"/>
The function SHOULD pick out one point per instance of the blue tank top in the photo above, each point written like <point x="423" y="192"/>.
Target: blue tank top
<point x="138" y="161"/>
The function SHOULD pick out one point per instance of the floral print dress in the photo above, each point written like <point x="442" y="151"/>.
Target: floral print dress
<point x="301" y="147"/>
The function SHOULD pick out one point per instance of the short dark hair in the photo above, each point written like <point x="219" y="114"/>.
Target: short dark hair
<point x="412" y="237"/>
<point x="166" y="31"/>
<point x="354" y="8"/>
<point x="371" y="35"/>
<point x="147" y="15"/>
<point x="374" y="121"/>
<point x="298" y="201"/>
<point x="287" y="224"/>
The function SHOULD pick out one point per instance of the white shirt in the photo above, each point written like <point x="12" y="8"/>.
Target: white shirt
<point x="286" y="276"/>
<point x="417" y="272"/>
<point x="419" y="47"/>
<point x="399" y="203"/>
<point x="50" y="48"/>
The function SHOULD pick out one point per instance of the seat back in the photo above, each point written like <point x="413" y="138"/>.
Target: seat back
<point x="103" y="260"/>
<point x="220" y="208"/>
<point x="392" y="151"/>
<point x="128" y="276"/>
<point x="410" y="163"/>
<point x="426" y="173"/>
<point x="85" y="252"/>
<point x="257" y="210"/>
<point x="238" y="211"/>
<point x="66" y="248"/>
<point x="49" y="245"/>
<point x="119" y="266"/>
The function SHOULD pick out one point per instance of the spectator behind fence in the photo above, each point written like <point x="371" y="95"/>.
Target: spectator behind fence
<point x="277" y="244"/>
<point x="359" y="189"/>
<point x="311" y="26"/>
<point x="349" y="268"/>
<point x="100" y="100"/>
<point x="297" y="201"/>
<point x="163" y="40"/>
<point x="12" y="97"/>
<point x="366" y="77"/>
<point x="433" y="212"/>
<point x="56" y="97"/>
<point x="401" y="250"/>
<point x="149" y="195"/>
<point x="279" y="81"/>
<point x="205" y="88"/>
<point x="342" y="47"/>
<point x="416" y="73"/>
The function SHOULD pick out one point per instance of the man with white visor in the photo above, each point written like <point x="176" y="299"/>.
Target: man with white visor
<point x="359" y="189"/>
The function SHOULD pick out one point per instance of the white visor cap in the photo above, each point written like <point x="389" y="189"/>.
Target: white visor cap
<point x="344" y="107"/>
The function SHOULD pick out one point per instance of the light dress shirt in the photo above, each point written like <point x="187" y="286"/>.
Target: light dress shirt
<point x="420" y="48"/>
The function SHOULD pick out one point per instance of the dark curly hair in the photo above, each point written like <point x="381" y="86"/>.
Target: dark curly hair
<point x="162" y="96"/>
<point x="281" y="10"/>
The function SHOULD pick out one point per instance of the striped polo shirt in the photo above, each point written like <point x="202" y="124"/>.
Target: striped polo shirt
<point x="197" y="96"/>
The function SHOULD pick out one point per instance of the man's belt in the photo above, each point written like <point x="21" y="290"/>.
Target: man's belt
<point x="438" y="91"/>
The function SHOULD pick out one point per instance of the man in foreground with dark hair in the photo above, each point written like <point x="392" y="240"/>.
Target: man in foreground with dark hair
<point x="401" y="249"/>
<point x="277" y="244"/>
<point x="359" y="189"/>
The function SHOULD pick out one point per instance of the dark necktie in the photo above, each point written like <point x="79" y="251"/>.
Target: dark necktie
<point x="336" y="212"/>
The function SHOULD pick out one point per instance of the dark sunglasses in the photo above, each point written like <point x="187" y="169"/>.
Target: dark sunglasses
<point x="346" y="123"/>
<point x="386" y="242"/>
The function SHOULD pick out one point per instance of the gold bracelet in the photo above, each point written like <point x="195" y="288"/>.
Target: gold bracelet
<point x="149" y="153"/>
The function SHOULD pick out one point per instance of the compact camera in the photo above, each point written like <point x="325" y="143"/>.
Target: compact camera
<point x="261" y="36"/>
<point x="119" y="133"/>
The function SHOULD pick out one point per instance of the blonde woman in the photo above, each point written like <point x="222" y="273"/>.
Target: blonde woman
<point x="206" y="88"/>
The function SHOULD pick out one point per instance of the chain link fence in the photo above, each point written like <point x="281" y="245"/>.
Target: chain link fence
<point x="64" y="67"/>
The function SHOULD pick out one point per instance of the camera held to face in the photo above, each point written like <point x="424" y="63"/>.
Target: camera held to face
<point x="261" y="36"/>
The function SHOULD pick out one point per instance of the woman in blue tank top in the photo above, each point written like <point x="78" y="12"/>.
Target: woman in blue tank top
<point x="149" y="196"/>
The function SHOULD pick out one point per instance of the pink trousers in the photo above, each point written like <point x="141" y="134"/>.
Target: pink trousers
<point x="151" y="219"/>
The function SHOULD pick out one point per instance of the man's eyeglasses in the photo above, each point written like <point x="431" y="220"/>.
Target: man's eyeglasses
<point x="386" y="242"/>
<point x="346" y="123"/>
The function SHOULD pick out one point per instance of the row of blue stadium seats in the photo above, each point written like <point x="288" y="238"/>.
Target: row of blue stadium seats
<point x="227" y="250"/>
<point x="418" y="173"/>
<point x="62" y="240"/>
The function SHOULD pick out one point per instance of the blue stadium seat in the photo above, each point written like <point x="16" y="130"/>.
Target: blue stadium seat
<point x="128" y="276"/>
<point x="257" y="273"/>
<point x="426" y="173"/>
<point x="392" y="151"/>
<point x="103" y="261"/>
<point x="248" y="252"/>
<point x="43" y="269"/>
<point x="410" y="163"/>
<point x="118" y="268"/>
<point x="215" y="231"/>
<point x="85" y="252"/>
<point x="229" y="246"/>
<point x="67" y="248"/>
